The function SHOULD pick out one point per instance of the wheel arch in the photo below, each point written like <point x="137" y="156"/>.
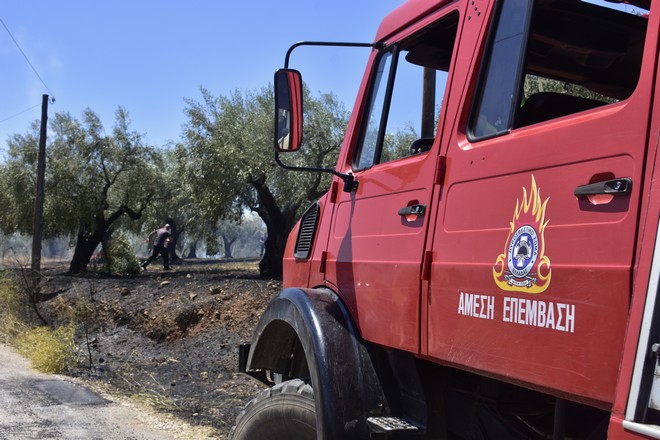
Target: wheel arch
<point x="337" y="358"/>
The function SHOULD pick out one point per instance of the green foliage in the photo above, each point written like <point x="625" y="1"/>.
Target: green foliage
<point x="229" y="142"/>
<point x="98" y="180"/>
<point x="17" y="180"/>
<point x="121" y="258"/>
<point x="237" y="239"/>
<point x="535" y="84"/>
<point x="50" y="351"/>
<point x="94" y="180"/>
<point x="397" y="145"/>
<point x="91" y="174"/>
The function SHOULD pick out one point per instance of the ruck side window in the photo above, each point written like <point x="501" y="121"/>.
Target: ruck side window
<point x="552" y="58"/>
<point x="406" y="96"/>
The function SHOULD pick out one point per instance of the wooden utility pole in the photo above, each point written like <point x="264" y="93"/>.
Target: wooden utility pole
<point x="428" y="104"/>
<point x="39" y="199"/>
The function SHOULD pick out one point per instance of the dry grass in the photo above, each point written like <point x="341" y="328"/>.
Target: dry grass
<point x="10" y="311"/>
<point x="50" y="351"/>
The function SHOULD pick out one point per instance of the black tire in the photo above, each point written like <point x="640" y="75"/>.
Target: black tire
<point x="284" y="412"/>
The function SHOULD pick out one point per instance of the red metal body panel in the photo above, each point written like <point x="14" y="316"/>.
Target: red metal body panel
<point x="587" y="278"/>
<point x="296" y="272"/>
<point x="374" y="255"/>
<point x="560" y="329"/>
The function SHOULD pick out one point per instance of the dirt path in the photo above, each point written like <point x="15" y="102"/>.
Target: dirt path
<point x="34" y="405"/>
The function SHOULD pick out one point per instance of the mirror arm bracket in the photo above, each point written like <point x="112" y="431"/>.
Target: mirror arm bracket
<point x="378" y="45"/>
<point x="350" y="184"/>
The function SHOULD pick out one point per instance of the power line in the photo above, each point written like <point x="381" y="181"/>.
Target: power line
<point x="19" y="113"/>
<point x="28" y="60"/>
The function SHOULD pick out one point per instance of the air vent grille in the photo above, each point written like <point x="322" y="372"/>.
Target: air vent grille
<point x="307" y="232"/>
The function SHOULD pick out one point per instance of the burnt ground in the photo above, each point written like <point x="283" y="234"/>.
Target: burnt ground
<point x="170" y="338"/>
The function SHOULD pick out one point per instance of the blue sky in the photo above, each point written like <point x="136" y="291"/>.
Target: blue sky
<point x="148" y="55"/>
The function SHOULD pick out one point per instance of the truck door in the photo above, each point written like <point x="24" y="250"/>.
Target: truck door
<point x="379" y="232"/>
<point x="536" y="223"/>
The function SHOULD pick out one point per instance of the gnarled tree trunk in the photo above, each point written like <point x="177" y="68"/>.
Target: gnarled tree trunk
<point x="88" y="239"/>
<point x="228" y="244"/>
<point x="192" y="252"/>
<point x="174" y="239"/>
<point x="90" y="236"/>
<point x="279" y="223"/>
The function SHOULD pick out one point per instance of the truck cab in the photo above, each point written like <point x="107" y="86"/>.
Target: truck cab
<point x="483" y="264"/>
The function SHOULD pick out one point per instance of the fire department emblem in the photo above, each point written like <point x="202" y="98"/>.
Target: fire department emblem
<point x="523" y="266"/>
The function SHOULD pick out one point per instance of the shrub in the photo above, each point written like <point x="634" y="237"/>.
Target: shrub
<point x="50" y="351"/>
<point x="121" y="258"/>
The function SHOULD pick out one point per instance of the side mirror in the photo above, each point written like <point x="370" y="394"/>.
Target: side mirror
<point x="288" y="110"/>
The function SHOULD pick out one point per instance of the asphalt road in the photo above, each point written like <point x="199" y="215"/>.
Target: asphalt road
<point x="40" y="406"/>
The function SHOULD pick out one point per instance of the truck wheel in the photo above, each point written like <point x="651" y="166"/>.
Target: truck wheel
<point x="284" y="412"/>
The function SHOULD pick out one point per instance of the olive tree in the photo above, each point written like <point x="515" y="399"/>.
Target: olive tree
<point x="93" y="180"/>
<point x="230" y="162"/>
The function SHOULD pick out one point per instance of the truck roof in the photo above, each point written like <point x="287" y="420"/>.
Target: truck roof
<point x="408" y="12"/>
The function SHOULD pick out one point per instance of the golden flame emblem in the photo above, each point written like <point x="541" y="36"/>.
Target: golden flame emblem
<point x="523" y="266"/>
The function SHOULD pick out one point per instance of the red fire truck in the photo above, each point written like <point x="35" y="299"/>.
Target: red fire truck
<point x="484" y="264"/>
